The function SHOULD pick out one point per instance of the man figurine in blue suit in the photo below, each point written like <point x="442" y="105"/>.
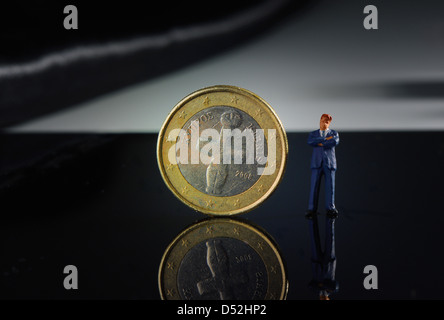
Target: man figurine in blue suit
<point x="323" y="163"/>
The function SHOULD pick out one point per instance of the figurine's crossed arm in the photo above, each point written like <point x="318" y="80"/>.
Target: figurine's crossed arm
<point x="329" y="141"/>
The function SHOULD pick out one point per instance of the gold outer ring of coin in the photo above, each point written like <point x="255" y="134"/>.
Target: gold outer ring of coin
<point x="211" y="228"/>
<point x="246" y="101"/>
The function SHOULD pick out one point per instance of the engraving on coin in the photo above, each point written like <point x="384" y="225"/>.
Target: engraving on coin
<point x="222" y="268"/>
<point x="222" y="150"/>
<point x="218" y="178"/>
<point x="222" y="261"/>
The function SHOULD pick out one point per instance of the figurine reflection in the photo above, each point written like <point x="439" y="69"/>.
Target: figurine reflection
<point x="323" y="262"/>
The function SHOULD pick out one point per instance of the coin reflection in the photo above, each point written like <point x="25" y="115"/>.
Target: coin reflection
<point x="222" y="259"/>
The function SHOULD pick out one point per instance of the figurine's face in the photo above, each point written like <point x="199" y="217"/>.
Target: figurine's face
<point x="324" y="123"/>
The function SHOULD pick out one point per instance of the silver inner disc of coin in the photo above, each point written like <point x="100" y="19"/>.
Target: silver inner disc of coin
<point x="222" y="179"/>
<point x="222" y="269"/>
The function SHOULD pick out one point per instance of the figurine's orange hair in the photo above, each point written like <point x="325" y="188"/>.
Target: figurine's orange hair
<point x="329" y="117"/>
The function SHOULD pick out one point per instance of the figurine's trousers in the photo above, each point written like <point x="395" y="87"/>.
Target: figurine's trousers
<point x="316" y="175"/>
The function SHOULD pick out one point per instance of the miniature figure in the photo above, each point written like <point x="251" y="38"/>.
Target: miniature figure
<point x="323" y="163"/>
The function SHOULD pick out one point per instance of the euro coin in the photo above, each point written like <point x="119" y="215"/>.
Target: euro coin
<point x="222" y="150"/>
<point x="222" y="259"/>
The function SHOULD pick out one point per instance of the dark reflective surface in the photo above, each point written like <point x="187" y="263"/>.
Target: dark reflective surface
<point x="104" y="208"/>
